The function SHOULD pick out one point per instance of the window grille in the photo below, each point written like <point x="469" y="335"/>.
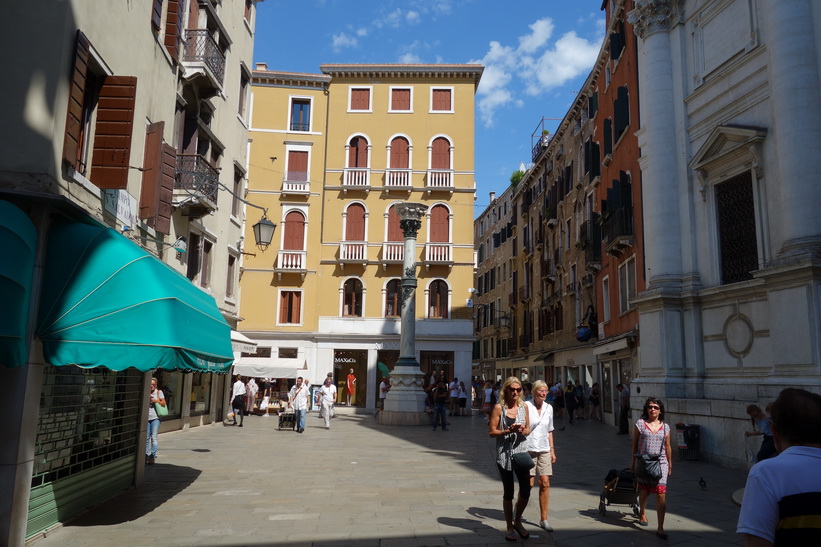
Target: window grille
<point x="735" y="211"/>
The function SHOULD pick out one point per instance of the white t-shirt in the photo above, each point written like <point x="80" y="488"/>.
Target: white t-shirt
<point x="541" y="424"/>
<point x="454" y="389"/>
<point x="488" y="393"/>
<point x="797" y="470"/>
<point x="328" y="393"/>
<point x="383" y="390"/>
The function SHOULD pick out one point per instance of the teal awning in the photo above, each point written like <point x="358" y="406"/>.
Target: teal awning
<point x="107" y="302"/>
<point x="18" y="241"/>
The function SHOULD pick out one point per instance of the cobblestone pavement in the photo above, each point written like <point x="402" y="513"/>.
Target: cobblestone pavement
<point x="363" y="484"/>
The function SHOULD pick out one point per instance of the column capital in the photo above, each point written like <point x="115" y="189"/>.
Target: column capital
<point x="651" y="16"/>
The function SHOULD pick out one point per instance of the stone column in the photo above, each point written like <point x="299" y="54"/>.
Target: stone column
<point x="788" y="33"/>
<point x="651" y="20"/>
<point x="405" y="402"/>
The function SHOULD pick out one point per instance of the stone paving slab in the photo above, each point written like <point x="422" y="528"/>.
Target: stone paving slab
<point x="363" y="484"/>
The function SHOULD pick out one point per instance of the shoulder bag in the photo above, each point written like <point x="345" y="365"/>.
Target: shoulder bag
<point x="161" y="410"/>
<point x="648" y="467"/>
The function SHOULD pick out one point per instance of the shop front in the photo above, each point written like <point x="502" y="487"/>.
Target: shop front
<point x="351" y="370"/>
<point x="616" y="359"/>
<point x="439" y="362"/>
<point x="85" y="371"/>
<point x="385" y="361"/>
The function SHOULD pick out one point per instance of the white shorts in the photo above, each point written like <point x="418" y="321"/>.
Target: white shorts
<point x="543" y="466"/>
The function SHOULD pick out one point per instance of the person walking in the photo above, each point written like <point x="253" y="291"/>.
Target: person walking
<point x="570" y="402"/>
<point x="156" y="397"/>
<point x="463" y="399"/>
<point x="595" y="402"/>
<point x="298" y="400"/>
<point x="488" y="399"/>
<point x="780" y="504"/>
<point x="761" y="421"/>
<point x="251" y="389"/>
<point x="651" y="435"/>
<point x="510" y="425"/>
<point x="453" y="399"/>
<point x="440" y="399"/>
<point x="327" y="396"/>
<point x="238" y="399"/>
<point x="540" y="447"/>
<point x="384" y="388"/>
<point x="624" y="408"/>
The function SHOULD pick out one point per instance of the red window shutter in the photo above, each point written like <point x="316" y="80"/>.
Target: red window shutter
<point x="173" y="28"/>
<point x="296" y="306"/>
<point x="297" y="166"/>
<point x="395" y="232"/>
<point x="360" y="99"/>
<point x="283" y="306"/>
<point x="400" y="99"/>
<point x="355" y="223"/>
<point x="440" y="154"/>
<point x="358" y="153"/>
<point x="439" y="224"/>
<point x="162" y="222"/>
<point x="400" y="157"/>
<point x="441" y="99"/>
<point x="112" y="139"/>
<point x="156" y="14"/>
<point x="152" y="173"/>
<point x="76" y="95"/>
<point x="294" y="238"/>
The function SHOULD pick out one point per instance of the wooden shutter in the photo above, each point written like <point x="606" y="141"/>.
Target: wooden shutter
<point x="439" y="224"/>
<point x="355" y="223"/>
<point x="621" y="112"/>
<point x="395" y="232"/>
<point x="358" y="153"/>
<point x="400" y="157"/>
<point x="112" y="138"/>
<point x="607" y="136"/>
<point x="173" y="28"/>
<point x="152" y="172"/>
<point x="400" y="99"/>
<point x="360" y="99"/>
<point x="162" y="221"/>
<point x="76" y="98"/>
<point x="297" y="165"/>
<point x="283" y="306"/>
<point x="441" y="99"/>
<point x="294" y="238"/>
<point x="440" y="154"/>
<point x="156" y="14"/>
<point x="593" y="104"/>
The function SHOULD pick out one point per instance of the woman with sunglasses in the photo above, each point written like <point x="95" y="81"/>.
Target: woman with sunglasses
<point x="510" y="425"/>
<point x="652" y="436"/>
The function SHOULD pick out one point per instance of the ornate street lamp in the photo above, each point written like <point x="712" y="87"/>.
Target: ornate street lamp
<point x="263" y="232"/>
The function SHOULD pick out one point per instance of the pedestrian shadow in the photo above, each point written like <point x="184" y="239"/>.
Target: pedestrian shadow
<point x="162" y="483"/>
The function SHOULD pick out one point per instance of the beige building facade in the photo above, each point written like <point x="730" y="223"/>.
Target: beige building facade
<point x="327" y="298"/>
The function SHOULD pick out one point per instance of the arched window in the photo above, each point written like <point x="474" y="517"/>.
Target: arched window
<point x="294" y="232"/>
<point x="393" y="298"/>
<point x="352" y="302"/>
<point x="438" y="300"/>
<point x="440" y="154"/>
<point x="358" y="152"/>
<point x="395" y="232"/>
<point x="439" y="224"/>
<point x="400" y="156"/>
<point x="355" y="222"/>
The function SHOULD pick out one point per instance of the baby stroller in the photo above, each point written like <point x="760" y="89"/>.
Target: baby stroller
<point x="619" y="488"/>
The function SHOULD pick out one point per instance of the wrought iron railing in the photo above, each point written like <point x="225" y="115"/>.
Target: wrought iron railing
<point x="195" y="174"/>
<point x="200" y="47"/>
<point x="619" y="223"/>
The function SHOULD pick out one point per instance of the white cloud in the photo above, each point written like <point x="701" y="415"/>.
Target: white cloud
<point x="361" y="32"/>
<point x="536" y="65"/>
<point x="342" y="40"/>
<point x="410" y="58"/>
<point x="412" y="17"/>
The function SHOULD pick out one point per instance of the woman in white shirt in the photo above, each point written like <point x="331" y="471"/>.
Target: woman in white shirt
<point x="540" y="446"/>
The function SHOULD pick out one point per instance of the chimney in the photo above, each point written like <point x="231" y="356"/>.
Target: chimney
<point x="262" y="66"/>
<point x="492" y="197"/>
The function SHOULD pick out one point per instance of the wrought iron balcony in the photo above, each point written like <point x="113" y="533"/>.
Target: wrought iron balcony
<point x="197" y="177"/>
<point x="202" y="49"/>
<point x="617" y="231"/>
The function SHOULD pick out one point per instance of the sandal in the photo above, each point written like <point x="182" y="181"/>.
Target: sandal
<point x="510" y="536"/>
<point x="524" y="534"/>
<point x="662" y="535"/>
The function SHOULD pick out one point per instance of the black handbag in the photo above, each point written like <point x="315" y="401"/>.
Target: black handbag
<point x="238" y="402"/>
<point x="521" y="461"/>
<point x="648" y="467"/>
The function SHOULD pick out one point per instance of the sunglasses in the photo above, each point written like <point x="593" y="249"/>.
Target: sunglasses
<point x="653" y="407"/>
<point x="515" y="389"/>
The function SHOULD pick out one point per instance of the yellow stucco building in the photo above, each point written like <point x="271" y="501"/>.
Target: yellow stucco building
<point x="330" y="156"/>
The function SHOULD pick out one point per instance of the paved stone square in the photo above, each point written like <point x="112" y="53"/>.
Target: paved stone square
<point x="363" y="484"/>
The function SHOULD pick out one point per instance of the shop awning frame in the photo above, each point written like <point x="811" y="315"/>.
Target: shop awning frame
<point x="106" y="302"/>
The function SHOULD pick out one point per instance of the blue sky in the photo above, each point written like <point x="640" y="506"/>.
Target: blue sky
<point x="536" y="53"/>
